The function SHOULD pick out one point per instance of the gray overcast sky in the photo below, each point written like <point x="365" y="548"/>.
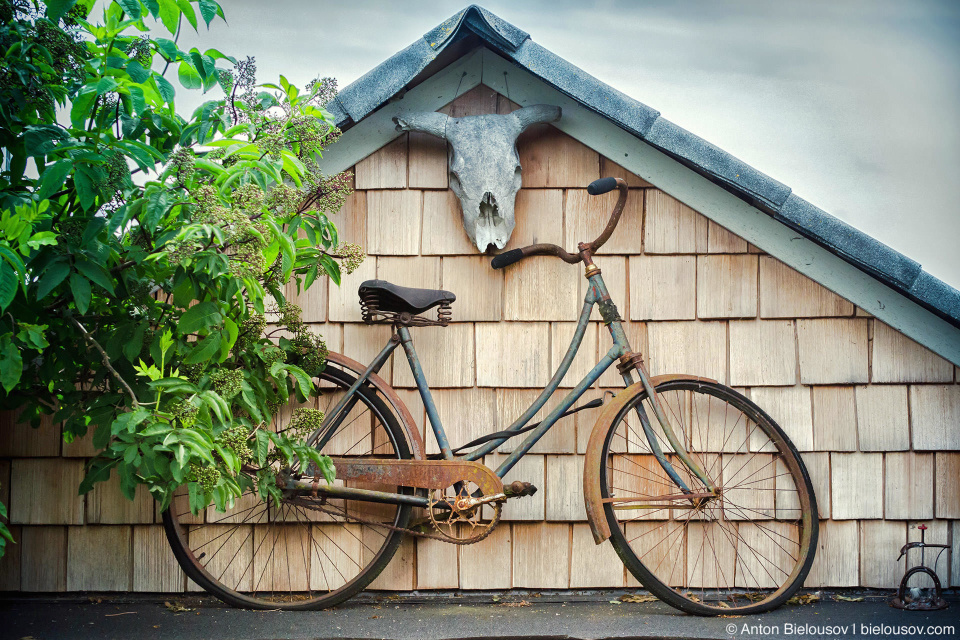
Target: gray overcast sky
<point x="855" y="104"/>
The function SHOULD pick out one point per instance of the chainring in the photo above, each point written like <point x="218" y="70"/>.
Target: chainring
<point x="461" y="525"/>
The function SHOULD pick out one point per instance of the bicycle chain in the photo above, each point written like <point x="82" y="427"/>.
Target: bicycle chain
<point x="497" y="507"/>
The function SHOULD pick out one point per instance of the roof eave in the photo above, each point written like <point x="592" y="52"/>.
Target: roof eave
<point x="396" y="74"/>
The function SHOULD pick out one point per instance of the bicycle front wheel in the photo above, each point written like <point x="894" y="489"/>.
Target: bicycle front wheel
<point x="748" y="548"/>
<point x="305" y="552"/>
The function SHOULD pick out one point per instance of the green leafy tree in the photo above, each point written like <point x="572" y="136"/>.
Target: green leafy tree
<point x="143" y="255"/>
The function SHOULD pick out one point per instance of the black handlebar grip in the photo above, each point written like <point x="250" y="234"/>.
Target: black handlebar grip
<point x="507" y="258"/>
<point x="603" y="185"/>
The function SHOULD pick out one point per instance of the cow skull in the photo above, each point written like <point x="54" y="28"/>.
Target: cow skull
<point x="484" y="165"/>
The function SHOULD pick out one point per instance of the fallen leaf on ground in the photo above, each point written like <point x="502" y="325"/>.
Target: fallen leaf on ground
<point x="636" y="597"/>
<point x="848" y="598"/>
<point x="806" y="598"/>
<point x="522" y="603"/>
<point x="176" y="607"/>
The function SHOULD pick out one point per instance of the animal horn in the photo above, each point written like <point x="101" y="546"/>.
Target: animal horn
<point x="425" y="121"/>
<point x="537" y="113"/>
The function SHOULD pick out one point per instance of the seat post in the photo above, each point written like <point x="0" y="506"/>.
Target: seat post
<point x="407" y="341"/>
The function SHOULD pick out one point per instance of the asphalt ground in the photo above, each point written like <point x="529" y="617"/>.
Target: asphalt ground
<point x="510" y="615"/>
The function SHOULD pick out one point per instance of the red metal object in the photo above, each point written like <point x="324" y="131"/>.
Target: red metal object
<point x="421" y="474"/>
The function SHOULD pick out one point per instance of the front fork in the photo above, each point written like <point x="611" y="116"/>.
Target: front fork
<point x="630" y="361"/>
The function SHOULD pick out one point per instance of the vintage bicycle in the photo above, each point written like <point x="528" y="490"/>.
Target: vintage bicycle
<point x="702" y="495"/>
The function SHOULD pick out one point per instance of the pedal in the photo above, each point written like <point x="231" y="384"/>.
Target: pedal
<point x="519" y="489"/>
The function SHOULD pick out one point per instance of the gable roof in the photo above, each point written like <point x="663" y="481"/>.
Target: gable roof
<point x="475" y="25"/>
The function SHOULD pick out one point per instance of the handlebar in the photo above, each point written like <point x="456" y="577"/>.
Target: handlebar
<point x="595" y="188"/>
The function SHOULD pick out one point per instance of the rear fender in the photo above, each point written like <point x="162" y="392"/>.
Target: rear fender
<point x="592" y="497"/>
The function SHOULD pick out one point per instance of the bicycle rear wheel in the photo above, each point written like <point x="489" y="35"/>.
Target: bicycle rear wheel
<point x="303" y="553"/>
<point x="745" y="551"/>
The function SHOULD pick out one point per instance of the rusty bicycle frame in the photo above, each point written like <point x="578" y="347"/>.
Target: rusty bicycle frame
<point x="629" y="361"/>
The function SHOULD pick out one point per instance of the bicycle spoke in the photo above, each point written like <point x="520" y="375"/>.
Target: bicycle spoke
<point x="748" y="534"/>
<point x="300" y="552"/>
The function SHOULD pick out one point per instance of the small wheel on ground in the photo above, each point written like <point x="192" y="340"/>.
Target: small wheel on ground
<point x="746" y="550"/>
<point x="305" y="552"/>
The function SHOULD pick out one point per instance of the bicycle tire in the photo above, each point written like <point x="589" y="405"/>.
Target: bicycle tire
<point x="732" y="592"/>
<point x="180" y="531"/>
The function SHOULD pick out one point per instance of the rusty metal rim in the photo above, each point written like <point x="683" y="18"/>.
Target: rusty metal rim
<point x="176" y="534"/>
<point x="809" y="524"/>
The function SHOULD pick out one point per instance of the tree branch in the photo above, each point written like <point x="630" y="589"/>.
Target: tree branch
<point x="106" y="360"/>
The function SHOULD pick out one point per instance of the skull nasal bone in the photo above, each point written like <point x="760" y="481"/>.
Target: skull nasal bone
<point x="489" y="209"/>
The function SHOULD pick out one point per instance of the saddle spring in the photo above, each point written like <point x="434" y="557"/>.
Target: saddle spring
<point x="372" y="314"/>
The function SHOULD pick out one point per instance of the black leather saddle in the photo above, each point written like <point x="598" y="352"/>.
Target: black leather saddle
<point x="392" y="298"/>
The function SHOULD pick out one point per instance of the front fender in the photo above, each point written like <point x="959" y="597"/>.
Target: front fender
<point x="592" y="497"/>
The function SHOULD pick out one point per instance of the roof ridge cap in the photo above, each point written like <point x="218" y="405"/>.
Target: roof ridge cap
<point x="484" y="23"/>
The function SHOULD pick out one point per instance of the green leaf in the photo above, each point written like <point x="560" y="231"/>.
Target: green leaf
<point x="175" y="385"/>
<point x="204" y="65"/>
<point x="51" y="278"/>
<point x="11" y="364"/>
<point x="53" y="178"/>
<point x="32" y="334"/>
<point x="80" y="288"/>
<point x="9" y="282"/>
<point x="230" y="459"/>
<point x="132" y="8"/>
<point x="128" y="482"/>
<point x="164" y="88"/>
<point x="156" y="429"/>
<point x="40" y="140"/>
<point x="86" y="186"/>
<point x="56" y="9"/>
<point x="189" y="77"/>
<point x="188" y="12"/>
<point x="332" y="269"/>
<point x="105" y="85"/>
<point x="153" y="6"/>
<point x="13" y="260"/>
<point x="200" y="316"/>
<point x="327" y="469"/>
<point x="82" y="106"/>
<point x="229" y="339"/>
<point x="96" y="274"/>
<point x="169" y="15"/>
<point x="133" y="346"/>
<point x="168" y="49"/>
<point x="263" y="446"/>
<point x="213" y="400"/>
<point x="42" y="239"/>
<point x="208" y="11"/>
<point x="127" y="422"/>
<point x="137" y="71"/>
<point x="204" y="350"/>
<point x="99" y="472"/>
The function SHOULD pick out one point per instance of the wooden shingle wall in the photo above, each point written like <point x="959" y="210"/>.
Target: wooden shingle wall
<point x="875" y="416"/>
